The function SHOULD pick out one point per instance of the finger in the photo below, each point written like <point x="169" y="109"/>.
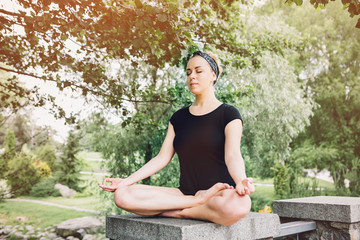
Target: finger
<point x="108" y="189"/>
<point x="240" y="192"/>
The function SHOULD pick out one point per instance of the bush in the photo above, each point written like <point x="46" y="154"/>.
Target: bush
<point x="42" y="168"/>
<point x="281" y="181"/>
<point x="46" y="153"/>
<point x="4" y="190"/>
<point x="259" y="201"/>
<point x="45" y="188"/>
<point x="22" y="175"/>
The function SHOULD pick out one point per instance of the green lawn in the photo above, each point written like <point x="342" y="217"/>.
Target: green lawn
<point x="89" y="202"/>
<point x="37" y="215"/>
<point x="267" y="192"/>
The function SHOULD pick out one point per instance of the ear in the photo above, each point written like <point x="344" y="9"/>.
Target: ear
<point x="213" y="76"/>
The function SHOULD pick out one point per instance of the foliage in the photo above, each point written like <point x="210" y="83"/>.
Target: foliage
<point x="5" y="191"/>
<point x="13" y="95"/>
<point x="43" y="169"/>
<point x="9" y="153"/>
<point x="45" y="188"/>
<point x="331" y="72"/>
<point x="259" y="201"/>
<point x="107" y="34"/>
<point x="69" y="167"/>
<point x="281" y="181"/>
<point x="94" y="130"/>
<point x="21" y="175"/>
<point x="46" y="153"/>
<point x="275" y="113"/>
<point x="353" y="7"/>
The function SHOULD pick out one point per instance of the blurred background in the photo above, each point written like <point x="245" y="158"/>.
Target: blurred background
<point x="87" y="89"/>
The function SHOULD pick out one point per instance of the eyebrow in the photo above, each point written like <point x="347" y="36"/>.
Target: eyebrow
<point x="195" y="67"/>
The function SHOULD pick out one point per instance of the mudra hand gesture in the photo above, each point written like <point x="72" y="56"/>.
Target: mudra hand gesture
<point x="245" y="187"/>
<point x="115" y="183"/>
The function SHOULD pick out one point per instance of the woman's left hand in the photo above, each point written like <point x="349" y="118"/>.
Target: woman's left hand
<point x="245" y="187"/>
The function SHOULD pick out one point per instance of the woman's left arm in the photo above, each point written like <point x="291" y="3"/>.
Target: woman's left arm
<point x="234" y="160"/>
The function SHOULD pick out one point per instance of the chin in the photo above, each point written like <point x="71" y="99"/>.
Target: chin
<point x="194" y="91"/>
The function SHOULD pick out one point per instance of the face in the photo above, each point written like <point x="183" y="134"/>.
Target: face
<point x="200" y="76"/>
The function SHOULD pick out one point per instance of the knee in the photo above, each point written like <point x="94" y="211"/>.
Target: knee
<point x="234" y="208"/>
<point x="122" y="198"/>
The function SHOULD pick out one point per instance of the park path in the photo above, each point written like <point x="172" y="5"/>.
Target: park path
<point x="54" y="205"/>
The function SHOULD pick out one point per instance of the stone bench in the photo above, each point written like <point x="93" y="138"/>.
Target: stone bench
<point x="133" y="227"/>
<point x="335" y="217"/>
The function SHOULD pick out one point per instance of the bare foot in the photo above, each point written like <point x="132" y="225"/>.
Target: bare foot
<point x="204" y="195"/>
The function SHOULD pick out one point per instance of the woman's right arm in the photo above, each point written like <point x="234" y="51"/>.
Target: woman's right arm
<point x="153" y="166"/>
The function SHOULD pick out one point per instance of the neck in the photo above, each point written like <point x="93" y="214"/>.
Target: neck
<point x="206" y="99"/>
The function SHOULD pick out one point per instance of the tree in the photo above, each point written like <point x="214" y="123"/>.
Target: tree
<point x="13" y="97"/>
<point x="70" y="165"/>
<point x="105" y="33"/>
<point x="352" y="6"/>
<point x="9" y="153"/>
<point x="274" y="114"/>
<point x="331" y="72"/>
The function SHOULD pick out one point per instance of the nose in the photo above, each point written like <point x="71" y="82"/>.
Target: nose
<point x="192" y="75"/>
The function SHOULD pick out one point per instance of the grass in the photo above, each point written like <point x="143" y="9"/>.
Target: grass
<point x="36" y="215"/>
<point x="267" y="192"/>
<point x="88" y="202"/>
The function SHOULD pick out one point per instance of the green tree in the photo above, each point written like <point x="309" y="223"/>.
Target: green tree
<point x="9" y="153"/>
<point x="332" y="74"/>
<point x="352" y="6"/>
<point x="13" y="95"/>
<point x="69" y="166"/>
<point x="108" y="33"/>
<point x="22" y="175"/>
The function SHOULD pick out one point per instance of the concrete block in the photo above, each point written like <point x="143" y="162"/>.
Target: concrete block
<point x="135" y="227"/>
<point x="322" y="208"/>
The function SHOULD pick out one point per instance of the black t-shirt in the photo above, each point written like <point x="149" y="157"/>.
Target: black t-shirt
<point x="199" y="143"/>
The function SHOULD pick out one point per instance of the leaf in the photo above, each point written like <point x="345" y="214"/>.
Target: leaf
<point x="138" y="4"/>
<point x="162" y="17"/>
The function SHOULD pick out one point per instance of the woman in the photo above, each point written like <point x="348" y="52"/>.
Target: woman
<point x="206" y="136"/>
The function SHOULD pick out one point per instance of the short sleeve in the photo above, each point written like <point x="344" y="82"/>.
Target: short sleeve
<point x="231" y="113"/>
<point x="173" y="119"/>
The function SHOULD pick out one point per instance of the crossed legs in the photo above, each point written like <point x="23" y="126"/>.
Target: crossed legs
<point x="219" y="204"/>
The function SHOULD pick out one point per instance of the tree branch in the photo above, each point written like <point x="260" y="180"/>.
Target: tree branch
<point x="97" y="93"/>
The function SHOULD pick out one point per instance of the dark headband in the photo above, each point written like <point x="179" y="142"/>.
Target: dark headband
<point x="210" y="60"/>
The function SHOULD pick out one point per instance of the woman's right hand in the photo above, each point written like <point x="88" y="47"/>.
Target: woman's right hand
<point x="115" y="183"/>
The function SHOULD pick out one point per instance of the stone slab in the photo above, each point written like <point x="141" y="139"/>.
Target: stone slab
<point x="135" y="227"/>
<point x="322" y="208"/>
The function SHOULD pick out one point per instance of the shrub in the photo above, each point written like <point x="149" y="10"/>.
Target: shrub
<point x="4" y="190"/>
<point x="45" y="188"/>
<point x="259" y="201"/>
<point x="281" y="181"/>
<point x="46" y="153"/>
<point x="21" y="174"/>
<point x="42" y="168"/>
